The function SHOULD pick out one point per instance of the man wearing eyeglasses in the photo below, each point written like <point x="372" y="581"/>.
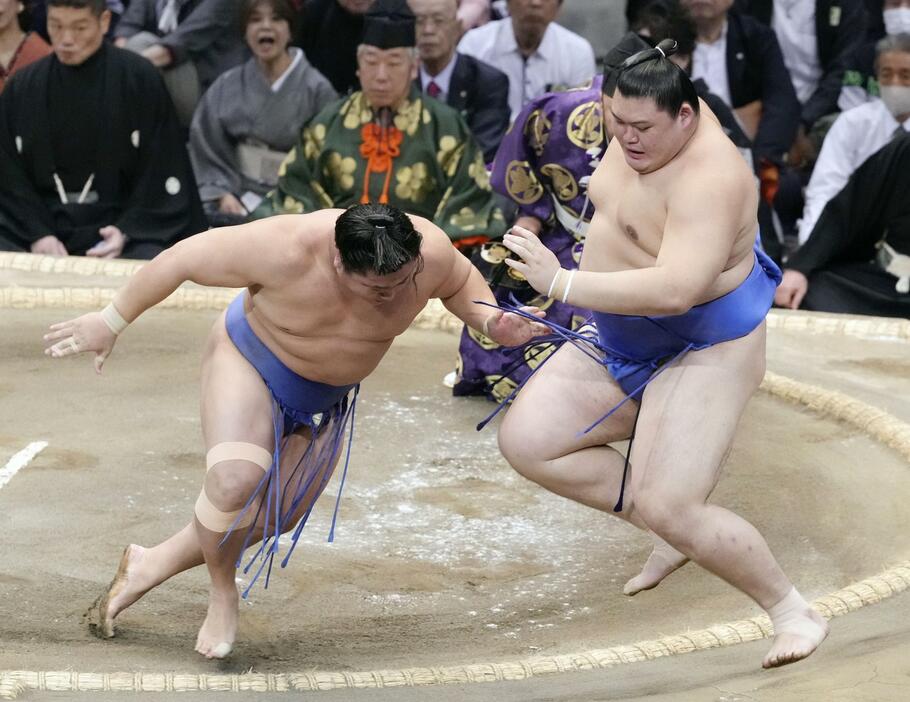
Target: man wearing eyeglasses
<point x="679" y="293"/>
<point x="474" y="88"/>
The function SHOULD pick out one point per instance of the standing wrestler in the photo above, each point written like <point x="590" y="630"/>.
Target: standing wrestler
<point x="327" y="293"/>
<point x="679" y="294"/>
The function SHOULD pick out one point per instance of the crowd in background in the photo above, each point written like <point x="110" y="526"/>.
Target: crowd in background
<point x="127" y="125"/>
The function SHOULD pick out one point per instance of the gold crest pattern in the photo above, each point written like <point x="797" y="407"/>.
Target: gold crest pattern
<point x="500" y="386"/>
<point x="537" y="131"/>
<point x="292" y="206"/>
<point x="341" y="170"/>
<point x="449" y="154"/>
<point x="356" y="112"/>
<point x="564" y="184"/>
<point x="313" y="142"/>
<point x="413" y="183"/>
<point x="288" y="160"/>
<point x="538" y="353"/>
<point x="478" y="171"/>
<point x="521" y="183"/>
<point x="585" y="125"/>
<point x="484" y="342"/>
<point x="465" y="219"/>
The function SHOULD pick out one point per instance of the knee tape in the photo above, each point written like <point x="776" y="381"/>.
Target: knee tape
<point x="207" y="513"/>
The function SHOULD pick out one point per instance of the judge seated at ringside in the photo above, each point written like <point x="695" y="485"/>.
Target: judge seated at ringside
<point x="91" y="156"/>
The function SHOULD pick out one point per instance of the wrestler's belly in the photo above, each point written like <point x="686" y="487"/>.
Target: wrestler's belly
<point x="328" y="359"/>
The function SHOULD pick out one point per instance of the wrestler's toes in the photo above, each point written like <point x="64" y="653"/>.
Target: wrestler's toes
<point x="222" y="650"/>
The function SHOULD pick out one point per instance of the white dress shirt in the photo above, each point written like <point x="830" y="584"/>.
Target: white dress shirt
<point x="562" y="59"/>
<point x="709" y="62"/>
<point x="855" y="135"/>
<point x="443" y="79"/>
<point x="793" y="21"/>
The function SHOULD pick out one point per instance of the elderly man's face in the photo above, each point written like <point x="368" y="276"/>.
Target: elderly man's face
<point x="356" y="7"/>
<point x="385" y="74"/>
<point x="76" y="33"/>
<point x="438" y="30"/>
<point x="531" y="17"/>
<point x="894" y="68"/>
<point x="706" y="10"/>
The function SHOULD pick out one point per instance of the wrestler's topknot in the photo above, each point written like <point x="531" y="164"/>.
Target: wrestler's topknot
<point x="651" y="74"/>
<point x="375" y="238"/>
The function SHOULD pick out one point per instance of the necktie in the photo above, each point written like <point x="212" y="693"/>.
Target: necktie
<point x="433" y="90"/>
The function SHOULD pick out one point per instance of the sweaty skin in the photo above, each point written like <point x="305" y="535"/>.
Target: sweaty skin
<point x="323" y="322"/>
<point x="675" y="227"/>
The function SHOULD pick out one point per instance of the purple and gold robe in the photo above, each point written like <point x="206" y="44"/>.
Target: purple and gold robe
<point x="543" y="165"/>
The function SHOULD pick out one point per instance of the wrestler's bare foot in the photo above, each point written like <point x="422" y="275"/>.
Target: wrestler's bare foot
<point x="125" y="589"/>
<point x="664" y="559"/>
<point x="801" y="636"/>
<point x="218" y="631"/>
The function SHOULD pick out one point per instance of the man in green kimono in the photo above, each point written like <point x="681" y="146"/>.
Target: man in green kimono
<point x="388" y="143"/>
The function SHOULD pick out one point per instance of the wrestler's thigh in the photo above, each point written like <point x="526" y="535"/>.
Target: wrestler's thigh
<point x="689" y="416"/>
<point x="292" y="473"/>
<point x="236" y="404"/>
<point x="568" y="394"/>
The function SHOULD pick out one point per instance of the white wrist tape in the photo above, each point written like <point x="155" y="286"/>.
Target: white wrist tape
<point x="565" y="295"/>
<point x="553" y="282"/>
<point x="113" y="319"/>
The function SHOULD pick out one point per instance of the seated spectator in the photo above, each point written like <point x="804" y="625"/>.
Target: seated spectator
<point x="741" y="62"/>
<point x="855" y="255"/>
<point x="103" y="170"/>
<point x="536" y="53"/>
<point x="329" y="34"/>
<point x="657" y="20"/>
<point x="476" y="89"/>
<point x="17" y="48"/>
<point x="543" y="165"/>
<point x="191" y="41"/>
<point x="387" y="144"/>
<point x="817" y="39"/>
<point x="893" y="18"/>
<point x="252" y="115"/>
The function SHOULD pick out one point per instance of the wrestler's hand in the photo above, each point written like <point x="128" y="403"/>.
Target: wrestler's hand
<point x="85" y="334"/>
<point x="508" y="329"/>
<point x="792" y="289"/>
<point x="538" y="264"/>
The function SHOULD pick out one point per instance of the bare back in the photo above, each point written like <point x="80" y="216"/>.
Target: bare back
<point x="632" y="210"/>
<point x="299" y="307"/>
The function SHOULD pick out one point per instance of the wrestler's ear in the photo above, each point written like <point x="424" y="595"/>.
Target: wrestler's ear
<point x="686" y="115"/>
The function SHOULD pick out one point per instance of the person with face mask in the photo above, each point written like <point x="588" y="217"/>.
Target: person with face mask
<point x="860" y="84"/>
<point x="855" y="230"/>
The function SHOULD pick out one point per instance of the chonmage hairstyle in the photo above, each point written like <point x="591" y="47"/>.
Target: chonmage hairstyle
<point x="376" y="239"/>
<point x="96" y="6"/>
<point x="650" y="74"/>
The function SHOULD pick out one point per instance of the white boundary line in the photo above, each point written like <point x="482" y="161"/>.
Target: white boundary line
<point x="20" y="460"/>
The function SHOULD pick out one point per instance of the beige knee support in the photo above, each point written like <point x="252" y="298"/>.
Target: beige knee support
<point x="207" y="513"/>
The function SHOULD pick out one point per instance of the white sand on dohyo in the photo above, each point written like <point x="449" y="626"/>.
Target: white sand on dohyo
<point x="447" y="567"/>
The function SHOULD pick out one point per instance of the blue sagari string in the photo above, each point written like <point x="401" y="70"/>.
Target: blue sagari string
<point x="584" y="342"/>
<point x="313" y="464"/>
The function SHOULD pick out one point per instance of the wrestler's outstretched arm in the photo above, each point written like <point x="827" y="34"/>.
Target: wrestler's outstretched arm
<point x="697" y="242"/>
<point x="463" y="286"/>
<point x="229" y="257"/>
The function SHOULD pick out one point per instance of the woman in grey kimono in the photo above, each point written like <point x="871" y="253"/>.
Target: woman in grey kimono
<point x="252" y="115"/>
